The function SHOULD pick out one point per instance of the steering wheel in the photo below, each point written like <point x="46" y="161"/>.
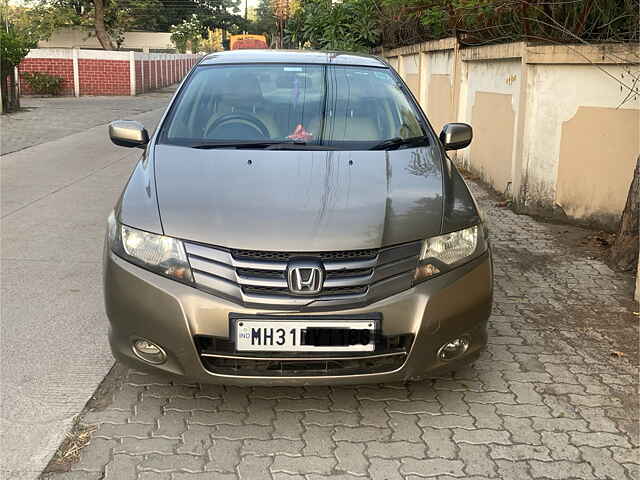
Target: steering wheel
<point x="238" y="118"/>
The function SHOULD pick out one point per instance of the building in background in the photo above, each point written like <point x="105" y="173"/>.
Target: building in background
<point x="78" y="37"/>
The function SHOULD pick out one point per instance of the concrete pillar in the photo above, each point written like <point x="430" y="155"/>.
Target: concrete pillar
<point x="401" y="67"/>
<point x="16" y="77"/>
<point x="422" y="80"/>
<point x="76" y="72"/>
<point x="132" y="72"/>
<point x="517" y="162"/>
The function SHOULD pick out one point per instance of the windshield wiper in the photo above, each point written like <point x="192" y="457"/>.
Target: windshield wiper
<point x="397" y="142"/>
<point x="236" y="144"/>
<point x="287" y="144"/>
<point x="297" y="145"/>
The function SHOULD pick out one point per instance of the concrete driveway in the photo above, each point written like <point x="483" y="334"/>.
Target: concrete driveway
<point x="43" y="120"/>
<point x="54" y="352"/>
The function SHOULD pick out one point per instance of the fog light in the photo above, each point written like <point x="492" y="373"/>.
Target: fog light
<point x="453" y="349"/>
<point x="149" y="351"/>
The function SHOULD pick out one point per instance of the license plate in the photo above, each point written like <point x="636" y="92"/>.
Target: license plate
<point x="305" y="336"/>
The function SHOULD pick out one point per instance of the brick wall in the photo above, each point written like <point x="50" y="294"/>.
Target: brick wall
<point x="99" y="72"/>
<point x="104" y="77"/>
<point x="60" y="67"/>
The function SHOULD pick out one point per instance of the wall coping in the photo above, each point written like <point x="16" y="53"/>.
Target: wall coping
<point x="163" y="56"/>
<point x="501" y="51"/>
<point x="50" y="53"/>
<point x="603" y="53"/>
<point x="88" y="54"/>
<point x="429" y="46"/>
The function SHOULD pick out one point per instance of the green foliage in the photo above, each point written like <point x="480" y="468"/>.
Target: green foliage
<point x="13" y="48"/>
<point x="477" y="22"/>
<point x="435" y="18"/>
<point x="39" y="21"/>
<point x="43" y="83"/>
<point x="15" y="40"/>
<point x="188" y="33"/>
<point x="351" y="25"/>
<point x="147" y="15"/>
<point x="265" y="23"/>
<point x="161" y="15"/>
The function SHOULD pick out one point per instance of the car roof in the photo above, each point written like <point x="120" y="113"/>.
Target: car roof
<point x="292" y="56"/>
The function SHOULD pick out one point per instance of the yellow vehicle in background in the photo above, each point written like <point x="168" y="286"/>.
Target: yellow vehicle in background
<point x="239" y="42"/>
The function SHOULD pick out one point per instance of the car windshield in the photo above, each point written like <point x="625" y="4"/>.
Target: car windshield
<point x="267" y="105"/>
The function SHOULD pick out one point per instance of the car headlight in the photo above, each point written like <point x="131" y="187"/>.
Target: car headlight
<point x="158" y="253"/>
<point x="440" y="253"/>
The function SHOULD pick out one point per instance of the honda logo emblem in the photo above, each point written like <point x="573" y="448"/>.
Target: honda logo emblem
<point x="305" y="277"/>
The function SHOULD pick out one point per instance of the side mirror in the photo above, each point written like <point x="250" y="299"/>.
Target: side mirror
<point x="455" y="136"/>
<point x="127" y="133"/>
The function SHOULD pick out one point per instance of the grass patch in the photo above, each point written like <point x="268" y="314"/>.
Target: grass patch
<point x="68" y="452"/>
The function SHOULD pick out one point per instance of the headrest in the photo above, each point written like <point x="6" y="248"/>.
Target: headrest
<point x="243" y="86"/>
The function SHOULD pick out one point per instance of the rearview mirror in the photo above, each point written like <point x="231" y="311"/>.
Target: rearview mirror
<point x="455" y="136"/>
<point x="128" y="133"/>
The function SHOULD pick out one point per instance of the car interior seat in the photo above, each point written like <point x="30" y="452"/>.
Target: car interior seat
<point x="244" y="95"/>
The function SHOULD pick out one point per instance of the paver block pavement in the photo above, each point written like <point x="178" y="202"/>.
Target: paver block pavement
<point x="42" y="120"/>
<point x="546" y="400"/>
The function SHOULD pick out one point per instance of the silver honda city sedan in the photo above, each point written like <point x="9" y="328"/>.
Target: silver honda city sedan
<point x="294" y="219"/>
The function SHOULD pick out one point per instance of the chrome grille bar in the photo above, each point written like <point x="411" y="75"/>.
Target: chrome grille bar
<point x="350" y="280"/>
<point x="262" y="282"/>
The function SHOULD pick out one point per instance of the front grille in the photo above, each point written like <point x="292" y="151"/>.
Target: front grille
<point x="303" y="368"/>
<point x="356" y="272"/>
<point x="254" y="272"/>
<point x="218" y="356"/>
<point x="286" y="256"/>
<point x="352" y="277"/>
<point x="279" y="274"/>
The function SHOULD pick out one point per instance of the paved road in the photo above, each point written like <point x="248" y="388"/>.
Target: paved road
<point x="546" y="401"/>
<point x="55" y="199"/>
<point x="45" y="119"/>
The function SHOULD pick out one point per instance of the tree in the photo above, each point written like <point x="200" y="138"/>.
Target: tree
<point x="161" y="15"/>
<point x="21" y="30"/>
<point x="623" y="254"/>
<point x="478" y="22"/>
<point x="101" y="31"/>
<point x="266" y="22"/>
<point x="351" y="25"/>
<point x="188" y="34"/>
<point x="14" y="46"/>
<point x="109" y="19"/>
<point x="101" y="16"/>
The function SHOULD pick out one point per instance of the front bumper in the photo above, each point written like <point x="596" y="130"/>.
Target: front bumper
<point x="141" y="304"/>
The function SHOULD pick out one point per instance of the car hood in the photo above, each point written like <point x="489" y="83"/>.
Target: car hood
<point x="294" y="200"/>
